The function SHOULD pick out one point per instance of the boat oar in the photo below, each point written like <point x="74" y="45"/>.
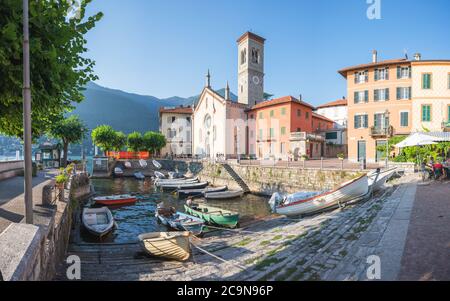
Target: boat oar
<point x="217" y="257"/>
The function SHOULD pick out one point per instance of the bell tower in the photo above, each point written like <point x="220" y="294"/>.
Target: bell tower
<point x="250" y="69"/>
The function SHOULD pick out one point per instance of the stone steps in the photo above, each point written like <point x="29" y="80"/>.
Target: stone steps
<point x="236" y="177"/>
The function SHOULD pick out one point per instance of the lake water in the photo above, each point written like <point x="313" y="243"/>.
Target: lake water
<point x="139" y="218"/>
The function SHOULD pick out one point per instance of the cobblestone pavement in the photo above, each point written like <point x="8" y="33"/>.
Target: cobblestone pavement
<point x="330" y="246"/>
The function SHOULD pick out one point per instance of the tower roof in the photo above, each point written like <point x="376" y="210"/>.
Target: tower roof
<point x="251" y="35"/>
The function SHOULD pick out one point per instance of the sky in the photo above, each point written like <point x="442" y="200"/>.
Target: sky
<point x="164" y="48"/>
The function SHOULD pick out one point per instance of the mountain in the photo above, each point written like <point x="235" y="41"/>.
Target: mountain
<point x="124" y="111"/>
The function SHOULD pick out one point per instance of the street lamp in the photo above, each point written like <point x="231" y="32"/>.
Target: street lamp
<point x="386" y="125"/>
<point x="28" y="189"/>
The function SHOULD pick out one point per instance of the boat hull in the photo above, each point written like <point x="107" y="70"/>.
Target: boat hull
<point x="348" y="192"/>
<point x="170" y="245"/>
<point x="199" y="192"/>
<point x="195" y="226"/>
<point x="223" y="220"/>
<point x="184" y="186"/>
<point x="115" y="202"/>
<point x="224" y="195"/>
<point x="90" y="220"/>
<point x="383" y="177"/>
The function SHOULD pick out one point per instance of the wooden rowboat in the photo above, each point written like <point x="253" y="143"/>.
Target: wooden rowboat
<point x="156" y="164"/>
<point x="118" y="172"/>
<point x="139" y="175"/>
<point x="171" y="245"/>
<point x="179" y="221"/>
<point x="159" y="182"/>
<point x="184" y="186"/>
<point x="199" y="192"/>
<point x="229" y="194"/>
<point x="312" y="202"/>
<point x="143" y="163"/>
<point x="159" y="175"/>
<point x="213" y="215"/>
<point x="98" y="221"/>
<point x="115" y="200"/>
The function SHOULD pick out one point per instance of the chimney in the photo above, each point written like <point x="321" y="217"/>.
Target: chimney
<point x="300" y="97"/>
<point x="227" y="92"/>
<point x="417" y="56"/>
<point x="374" y="56"/>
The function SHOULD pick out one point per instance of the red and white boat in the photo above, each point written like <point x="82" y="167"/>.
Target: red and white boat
<point x="312" y="202"/>
<point x="115" y="200"/>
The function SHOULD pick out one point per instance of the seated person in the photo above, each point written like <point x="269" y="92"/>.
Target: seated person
<point x="437" y="168"/>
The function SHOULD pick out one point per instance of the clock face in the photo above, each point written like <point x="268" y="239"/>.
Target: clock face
<point x="256" y="80"/>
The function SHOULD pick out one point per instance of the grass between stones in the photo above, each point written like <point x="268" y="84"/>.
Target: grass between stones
<point x="243" y="242"/>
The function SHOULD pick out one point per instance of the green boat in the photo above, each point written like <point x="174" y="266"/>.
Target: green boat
<point x="213" y="215"/>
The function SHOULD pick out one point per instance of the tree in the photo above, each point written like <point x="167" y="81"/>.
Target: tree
<point x="154" y="142"/>
<point x="58" y="69"/>
<point x="104" y="136"/>
<point x="120" y="141"/>
<point x="135" y="142"/>
<point x="69" y="130"/>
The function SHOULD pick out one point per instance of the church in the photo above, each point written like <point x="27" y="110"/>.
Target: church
<point x="219" y="125"/>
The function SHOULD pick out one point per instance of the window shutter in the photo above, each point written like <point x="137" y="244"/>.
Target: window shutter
<point x="409" y="93"/>
<point x="366" y="120"/>
<point x="356" y="77"/>
<point x="399" y="72"/>
<point x="387" y="93"/>
<point x="366" y="76"/>
<point x="357" y="122"/>
<point x="356" y="97"/>
<point x="409" y="72"/>
<point x="398" y="93"/>
<point x="387" y="73"/>
<point x="366" y="96"/>
<point x="376" y="74"/>
<point x="376" y="94"/>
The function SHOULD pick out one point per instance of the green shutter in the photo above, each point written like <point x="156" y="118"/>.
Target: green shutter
<point x="426" y="113"/>
<point x="366" y="96"/>
<point x="356" y="121"/>
<point x="387" y="93"/>
<point x="376" y="94"/>
<point x="426" y="81"/>
<point x="356" y="97"/>
<point x="366" y="121"/>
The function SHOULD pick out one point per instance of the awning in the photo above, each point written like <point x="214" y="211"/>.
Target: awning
<point x="419" y="139"/>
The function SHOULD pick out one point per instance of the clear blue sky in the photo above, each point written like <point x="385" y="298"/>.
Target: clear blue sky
<point x="164" y="47"/>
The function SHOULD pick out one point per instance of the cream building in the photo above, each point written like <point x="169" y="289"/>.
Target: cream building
<point x="431" y="95"/>
<point x="176" y="125"/>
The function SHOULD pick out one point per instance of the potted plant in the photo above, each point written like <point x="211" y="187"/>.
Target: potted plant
<point x="61" y="180"/>
<point x="304" y="157"/>
<point x="341" y="156"/>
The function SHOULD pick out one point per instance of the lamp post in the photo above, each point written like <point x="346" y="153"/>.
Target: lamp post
<point x="28" y="189"/>
<point x="386" y="124"/>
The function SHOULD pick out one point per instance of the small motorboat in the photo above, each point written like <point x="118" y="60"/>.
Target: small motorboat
<point x="315" y="201"/>
<point x="171" y="245"/>
<point x="139" y="175"/>
<point x="198" y="185"/>
<point x="118" y="172"/>
<point x="229" y="194"/>
<point x="213" y="215"/>
<point x="159" y="175"/>
<point x="156" y="164"/>
<point x="115" y="200"/>
<point x="98" y="221"/>
<point x="143" y="163"/>
<point x="175" y="175"/>
<point x="376" y="183"/>
<point x="199" y="192"/>
<point x="127" y="164"/>
<point x="169" y="217"/>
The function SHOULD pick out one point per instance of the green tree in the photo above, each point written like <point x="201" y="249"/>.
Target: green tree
<point x="59" y="71"/>
<point x="135" y="142"/>
<point x="69" y="130"/>
<point x="120" y="141"/>
<point x="104" y="136"/>
<point x="154" y="141"/>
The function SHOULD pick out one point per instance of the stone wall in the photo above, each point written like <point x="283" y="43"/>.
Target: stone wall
<point x="10" y="169"/>
<point x="32" y="252"/>
<point x="267" y="180"/>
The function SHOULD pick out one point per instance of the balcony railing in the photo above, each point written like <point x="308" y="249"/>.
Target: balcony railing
<point x="382" y="131"/>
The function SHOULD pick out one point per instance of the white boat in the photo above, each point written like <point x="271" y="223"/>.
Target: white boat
<point x="159" y="182"/>
<point x="118" y="172"/>
<point x="143" y="163"/>
<point x="383" y="177"/>
<point x="175" y="175"/>
<point x="98" y="221"/>
<point x="311" y="202"/>
<point x="197" y="185"/>
<point x="156" y="164"/>
<point x="127" y="164"/>
<point x="229" y="194"/>
<point x="171" y="245"/>
<point x="159" y="175"/>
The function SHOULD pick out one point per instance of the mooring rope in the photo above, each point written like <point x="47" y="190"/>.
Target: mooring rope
<point x="217" y="257"/>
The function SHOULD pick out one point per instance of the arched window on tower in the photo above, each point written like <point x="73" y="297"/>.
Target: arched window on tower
<point x="255" y="56"/>
<point x="244" y="56"/>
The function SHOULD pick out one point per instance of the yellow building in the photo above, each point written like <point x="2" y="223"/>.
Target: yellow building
<point x="379" y="105"/>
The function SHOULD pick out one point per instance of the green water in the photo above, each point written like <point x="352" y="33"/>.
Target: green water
<point x="139" y="218"/>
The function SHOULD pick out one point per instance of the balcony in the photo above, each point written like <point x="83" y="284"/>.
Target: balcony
<point x="381" y="132"/>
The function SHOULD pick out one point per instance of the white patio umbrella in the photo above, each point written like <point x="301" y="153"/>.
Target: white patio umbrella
<point x="417" y="139"/>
